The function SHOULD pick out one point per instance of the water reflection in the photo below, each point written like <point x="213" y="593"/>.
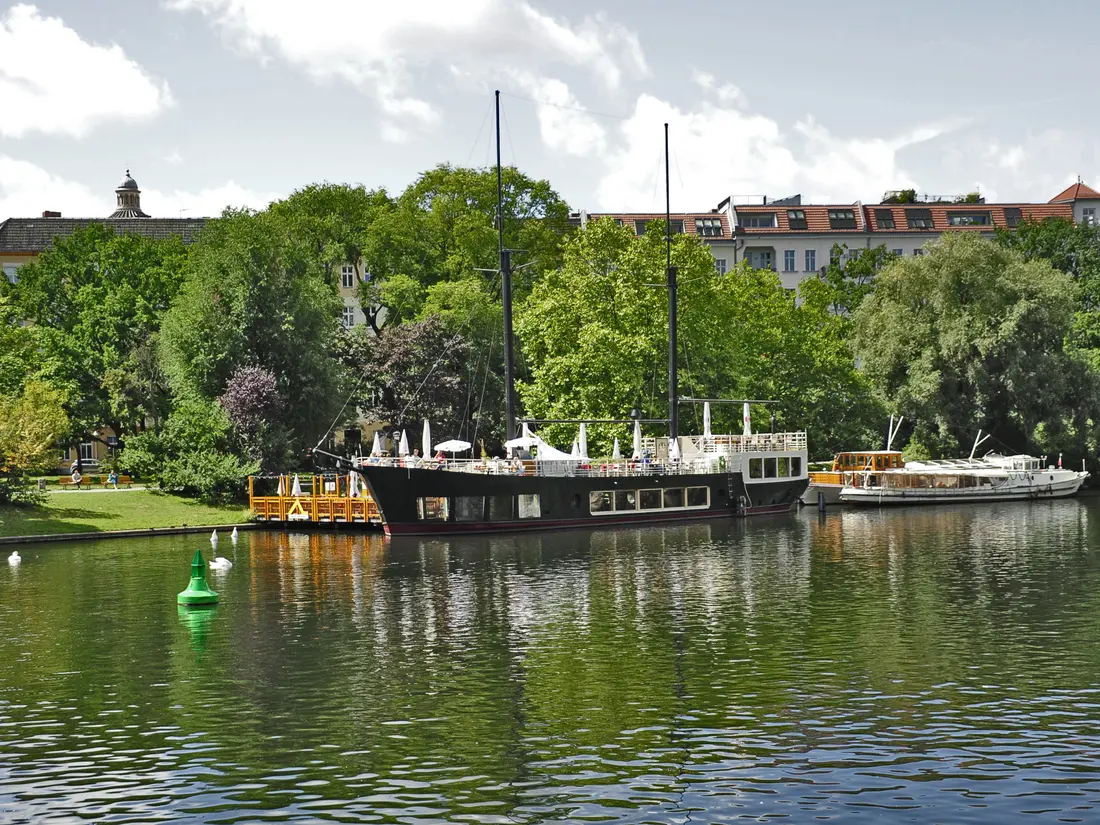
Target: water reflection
<point x="935" y="664"/>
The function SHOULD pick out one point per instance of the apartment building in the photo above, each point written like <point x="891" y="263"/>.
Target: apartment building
<point x="796" y="240"/>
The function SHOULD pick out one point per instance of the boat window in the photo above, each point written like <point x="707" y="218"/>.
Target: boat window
<point x="432" y="508"/>
<point x="529" y="506"/>
<point x="500" y="508"/>
<point x="796" y="466"/>
<point x="756" y="466"/>
<point x="469" y="508"/>
<point x="650" y="499"/>
<point x="698" y="496"/>
<point x="784" y="471"/>
<point x="674" y="497"/>
<point x="769" y="468"/>
<point x="599" y="502"/>
<point x="625" y="500"/>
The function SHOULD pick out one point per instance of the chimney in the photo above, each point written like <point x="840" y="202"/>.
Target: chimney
<point x="49" y="214"/>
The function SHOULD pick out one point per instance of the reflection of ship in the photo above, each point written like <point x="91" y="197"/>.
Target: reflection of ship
<point x="992" y="478"/>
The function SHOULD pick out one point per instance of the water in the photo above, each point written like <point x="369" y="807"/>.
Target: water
<point x="927" y="665"/>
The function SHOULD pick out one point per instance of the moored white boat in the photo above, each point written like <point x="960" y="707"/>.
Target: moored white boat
<point x="848" y="468"/>
<point x="991" y="478"/>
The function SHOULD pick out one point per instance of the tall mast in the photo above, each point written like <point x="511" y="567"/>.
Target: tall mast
<point x="670" y="272"/>
<point x="506" y="298"/>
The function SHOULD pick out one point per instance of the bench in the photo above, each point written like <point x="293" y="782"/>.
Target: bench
<point x="123" y="481"/>
<point x="67" y="481"/>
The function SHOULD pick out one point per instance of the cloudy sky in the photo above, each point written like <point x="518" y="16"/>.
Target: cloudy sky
<point x="216" y="102"/>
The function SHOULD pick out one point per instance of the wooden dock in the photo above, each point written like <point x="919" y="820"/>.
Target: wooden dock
<point x="324" y="499"/>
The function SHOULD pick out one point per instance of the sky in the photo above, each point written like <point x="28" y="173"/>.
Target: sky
<point x="215" y="103"/>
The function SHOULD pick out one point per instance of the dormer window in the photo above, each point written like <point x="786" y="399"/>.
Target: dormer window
<point x="919" y="218"/>
<point x="758" y="220"/>
<point x="969" y="219"/>
<point x="842" y="219"/>
<point x="639" y="227"/>
<point x="676" y="227"/>
<point x="1013" y="216"/>
<point x="884" y="218"/>
<point x="796" y="218"/>
<point x="708" y="227"/>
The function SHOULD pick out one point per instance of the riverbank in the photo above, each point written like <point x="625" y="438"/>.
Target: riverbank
<point x="77" y="513"/>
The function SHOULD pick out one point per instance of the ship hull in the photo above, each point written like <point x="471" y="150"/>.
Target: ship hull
<point x="415" y="501"/>
<point x="890" y="497"/>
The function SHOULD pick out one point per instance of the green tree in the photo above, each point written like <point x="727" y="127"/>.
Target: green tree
<point x="31" y="421"/>
<point x="850" y="277"/>
<point x="595" y="335"/>
<point x="96" y="299"/>
<point x="253" y="296"/>
<point x="971" y="336"/>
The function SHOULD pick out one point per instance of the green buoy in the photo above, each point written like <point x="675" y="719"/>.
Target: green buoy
<point x="198" y="593"/>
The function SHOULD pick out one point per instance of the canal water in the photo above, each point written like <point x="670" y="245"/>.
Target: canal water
<point x="923" y="665"/>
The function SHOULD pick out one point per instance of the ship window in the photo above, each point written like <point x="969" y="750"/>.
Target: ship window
<point x="500" y="508"/>
<point x="432" y="508"/>
<point x="599" y="502"/>
<point x="698" y="496"/>
<point x="796" y="466"/>
<point x="625" y="500"/>
<point x="650" y="499"/>
<point x="529" y="506"/>
<point x="674" y="497"/>
<point x="756" y="469"/>
<point x="769" y="468"/>
<point x="469" y="508"/>
<point x="783" y="469"/>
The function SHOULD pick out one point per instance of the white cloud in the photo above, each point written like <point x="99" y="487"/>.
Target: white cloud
<point x="54" y="82"/>
<point x="385" y="48"/>
<point x="173" y="158"/>
<point x="26" y="190"/>
<point x="563" y="125"/>
<point x="722" y="149"/>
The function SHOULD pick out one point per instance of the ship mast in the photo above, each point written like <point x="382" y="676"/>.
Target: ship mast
<point x="670" y="273"/>
<point x="506" y="297"/>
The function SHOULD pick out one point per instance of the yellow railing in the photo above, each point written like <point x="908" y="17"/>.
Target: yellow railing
<point x="323" y="499"/>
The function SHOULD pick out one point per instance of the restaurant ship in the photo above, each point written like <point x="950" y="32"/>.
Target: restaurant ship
<point x="668" y="479"/>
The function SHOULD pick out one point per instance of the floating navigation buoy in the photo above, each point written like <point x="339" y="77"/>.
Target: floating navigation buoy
<point x="14" y="558"/>
<point x="233" y="535"/>
<point x="198" y="593"/>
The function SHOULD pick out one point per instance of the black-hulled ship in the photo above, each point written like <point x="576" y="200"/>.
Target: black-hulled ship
<point x="675" y="478"/>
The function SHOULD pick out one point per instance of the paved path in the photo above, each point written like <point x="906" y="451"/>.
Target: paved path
<point x="100" y="489"/>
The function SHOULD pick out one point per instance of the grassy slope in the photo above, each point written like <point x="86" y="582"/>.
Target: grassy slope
<point x="124" y="510"/>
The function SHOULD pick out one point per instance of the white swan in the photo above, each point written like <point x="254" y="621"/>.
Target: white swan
<point x="233" y="535"/>
<point x="220" y="562"/>
<point x="214" y="538"/>
<point x="14" y="558"/>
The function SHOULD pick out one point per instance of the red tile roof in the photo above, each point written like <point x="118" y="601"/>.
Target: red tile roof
<point x="817" y="218"/>
<point x="689" y="219"/>
<point x="1076" y="191"/>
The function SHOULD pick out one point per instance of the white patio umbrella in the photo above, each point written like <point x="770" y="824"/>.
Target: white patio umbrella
<point x="748" y="420"/>
<point x="403" y="447"/>
<point x="637" y="439"/>
<point x="575" y="452"/>
<point x="376" y="448"/>
<point x="526" y="441"/>
<point x="706" y="418"/>
<point x="455" y="445"/>
<point x="296" y="488"/>
<point x="583" y="439"/>
<point x="674" y="450"/>
<point x="426" y="440"/>
<point x="282" y="487"/>
<point x="615" y="450"/>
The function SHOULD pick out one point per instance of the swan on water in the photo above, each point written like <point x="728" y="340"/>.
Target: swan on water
<point x="233" y="535"/>
<point x="220" y="562"/>
<point x="214" y="538"/>
<point x="14" y="558"/>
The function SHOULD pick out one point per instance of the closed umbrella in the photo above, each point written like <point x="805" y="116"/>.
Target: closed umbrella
<point x="706" y="418"/>
<point x="674" y="450"/>
<point x="575" y="452"/>
<point x="376" y="448"/>
<point x="296" y="488"/>
<point x="426" y="440"/>
<point x="353" y="485"/>
<point x="583" y="438"/>
<point x="282" y="487"/>
<point x="615" y="450"/>
<point x="637" y="439"/>
<point x="403" y="447"/>
<point x="748" y="420"/>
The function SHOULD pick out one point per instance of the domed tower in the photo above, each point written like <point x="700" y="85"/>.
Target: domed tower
<point x="128" y="198"/>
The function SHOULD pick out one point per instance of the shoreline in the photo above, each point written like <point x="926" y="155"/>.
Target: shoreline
<point x="125" y="534"/>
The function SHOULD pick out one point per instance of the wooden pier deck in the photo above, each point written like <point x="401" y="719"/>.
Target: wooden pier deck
<point x="324" y="500"/>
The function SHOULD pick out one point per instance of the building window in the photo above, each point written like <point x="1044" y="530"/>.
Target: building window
<point x="1088" y="216"/>
<point x="796" y="218"/>
<point x="788" y="260"/>
<point x="898" y="252"/>
<point x="842" y="219"/>
<point x="10" y="271"/>
<point x="349" y="317"/>
<point x="708" y="227"/>
<point x="758" y="220"/>
<point x="918" y="251"/>
<point x="87" y="451"/>
<point x="919" y="218"/>
<point x="720" y="265"/>
<point x="347" y="276"/>
<point x="969" y="219"/>
<point x="834" y="256"/>
<point x="811" y="260"/>
<point x="759" y="258"/>
<point x="676" y="227"/>
<point x="884" y="218"/>
<point x="639" y="227"/>
<point x="1012" y="217"/>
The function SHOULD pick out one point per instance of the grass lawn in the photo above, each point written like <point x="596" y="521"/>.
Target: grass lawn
<point x="93" y="512"/>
